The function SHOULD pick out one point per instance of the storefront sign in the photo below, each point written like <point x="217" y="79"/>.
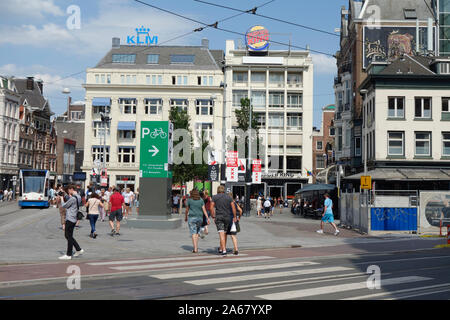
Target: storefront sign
<point x="257" y="38"/>
<point x="281" y="176"/>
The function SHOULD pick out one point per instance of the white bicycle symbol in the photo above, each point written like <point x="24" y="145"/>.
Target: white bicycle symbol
<point x="158" y="132"/>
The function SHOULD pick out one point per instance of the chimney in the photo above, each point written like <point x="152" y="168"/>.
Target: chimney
<point x="30" y="83"/>
<point x="205" y="43"/>
<point x="40" y="84"/>
<point x="115" y="43"/>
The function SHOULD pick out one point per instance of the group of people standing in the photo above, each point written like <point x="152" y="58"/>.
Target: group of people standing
<point x="6" y="195"/>
<point x="112" y="202"/>
<point x="222" y="209"/>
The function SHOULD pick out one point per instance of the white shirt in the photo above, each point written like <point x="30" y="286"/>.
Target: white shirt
<point x="127" y="196"/>
<point x="267" y="204"/>
<point x="176" y="199"/>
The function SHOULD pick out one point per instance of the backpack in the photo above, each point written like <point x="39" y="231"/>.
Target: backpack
<point x="80" y="214"/>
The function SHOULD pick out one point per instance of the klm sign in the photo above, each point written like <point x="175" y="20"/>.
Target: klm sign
<point x="142" y="37"/>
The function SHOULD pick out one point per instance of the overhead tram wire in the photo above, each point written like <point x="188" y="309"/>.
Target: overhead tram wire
<point x="164" y="42"/>
<point x="215" y="26"/>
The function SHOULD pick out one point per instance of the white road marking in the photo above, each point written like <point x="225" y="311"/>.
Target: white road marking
<point x="266" y="275"/>
<point x="110" y="263"/>
<point x="189" y="263"/>
<point x="381" y="294"/>
<point x="336" y="288"/>
<point x="233" y="270"/>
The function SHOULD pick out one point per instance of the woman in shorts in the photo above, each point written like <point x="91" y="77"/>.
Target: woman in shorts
<point x="234" y="233"/>
<point x="195" y="210"/>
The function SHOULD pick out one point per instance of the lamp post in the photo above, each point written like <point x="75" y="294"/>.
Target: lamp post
<point x="105" y="119"/>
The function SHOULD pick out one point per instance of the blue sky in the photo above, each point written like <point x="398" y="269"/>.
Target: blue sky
<point x="36" y="41"/>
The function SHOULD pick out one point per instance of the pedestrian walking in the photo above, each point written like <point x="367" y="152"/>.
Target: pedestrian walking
<point x="327" y="215"/>
<point x="220" y="212"/>
<point x="117" y="204"/>
<point x="61" y="198"/>
<point x="102" y="210"/>
<point x="232" y="231"/>
<point x="1" y="195"/>
<point x="136" y="201"/>
<point x="95" y="204"/>
<point x="259" y="206"/>
<point x="267" y="209"/>
<point x="175" y="203"/>
<point x="72" y="206"/>
<point x="128" y="197"/>
<point x="196" y="211"/>
<point x="207" y="199"/>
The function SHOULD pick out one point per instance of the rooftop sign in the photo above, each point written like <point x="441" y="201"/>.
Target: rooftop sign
<point x="142" y="37"/>
<point x="257" y="38"/>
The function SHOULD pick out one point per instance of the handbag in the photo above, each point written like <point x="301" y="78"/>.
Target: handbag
<point x="80" y="214"/>
<point x="233" y="227"/>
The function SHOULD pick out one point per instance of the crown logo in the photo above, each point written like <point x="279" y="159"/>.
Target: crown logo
<point x="142" y="30"/>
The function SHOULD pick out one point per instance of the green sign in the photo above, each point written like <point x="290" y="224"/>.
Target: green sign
<point x="156" y="149"/>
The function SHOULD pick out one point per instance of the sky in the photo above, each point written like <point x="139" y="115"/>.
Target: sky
<point x="38" y="37"/>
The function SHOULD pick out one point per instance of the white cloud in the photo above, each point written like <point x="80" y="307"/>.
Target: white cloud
<point x="30" y="9"/>
<point x="324" y="64"/>
<point x="34" y="36"/>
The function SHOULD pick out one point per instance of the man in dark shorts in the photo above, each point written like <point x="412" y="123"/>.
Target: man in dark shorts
<point x="220" y="211"/>
<point x="116" y="203"/>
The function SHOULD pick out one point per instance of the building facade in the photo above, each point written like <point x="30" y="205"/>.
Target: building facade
<point x="133" y="84"/>
<point x="279" y="85"/>
<point x="375" y="30"/>
<point x="406" y="124"/>
<point x="323" y="142"/>
<point x="9" y="133"/>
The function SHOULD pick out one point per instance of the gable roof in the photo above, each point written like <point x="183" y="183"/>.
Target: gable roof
<point x="34" y="98"/>
<point x="394" y="9"/>
<point x="409" y="65"/>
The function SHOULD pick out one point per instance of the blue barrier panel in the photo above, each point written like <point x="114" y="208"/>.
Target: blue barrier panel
<point x="394" y="219"/>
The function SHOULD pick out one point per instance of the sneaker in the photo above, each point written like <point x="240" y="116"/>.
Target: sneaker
<point x="112" y="232"/>
<point x="95" y="235"/>
<point x="65" y="257"/>
<point x="319" y="231"/>
<point x="117" y="234"/>
<point x="336" y="232"/>
<point x="224" y="253"/>
<point x="78" y="253"/>
<point x="236" y="253"/>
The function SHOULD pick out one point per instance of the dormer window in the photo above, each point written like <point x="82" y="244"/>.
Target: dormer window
<point x="444" y="68"/>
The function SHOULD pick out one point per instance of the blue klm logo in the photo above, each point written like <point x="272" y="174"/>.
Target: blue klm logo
<point x="142" y="37"/>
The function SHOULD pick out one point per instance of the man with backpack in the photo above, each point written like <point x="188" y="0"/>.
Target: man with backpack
<point x="72" y="207"/>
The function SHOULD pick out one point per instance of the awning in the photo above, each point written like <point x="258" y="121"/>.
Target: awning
<point x="404" y="174"/>
<point x="99" y="102"/>
<point x="316" y="187"/>
<point x="126" y="125"/>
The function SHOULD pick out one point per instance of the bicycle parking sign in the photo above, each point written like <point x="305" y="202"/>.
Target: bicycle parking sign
<point x="155" y="145"/>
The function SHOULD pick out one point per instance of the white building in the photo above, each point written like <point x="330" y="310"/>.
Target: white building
<point x="406" y="123"/>
<point x="280" y="87"/>
<point x="9" y="132"/>
<point x="135" y="83"/>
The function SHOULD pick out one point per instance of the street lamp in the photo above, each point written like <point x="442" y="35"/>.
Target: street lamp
<point x="105" y="119"/>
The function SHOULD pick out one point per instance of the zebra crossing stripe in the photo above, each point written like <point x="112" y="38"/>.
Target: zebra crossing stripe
<point x="381" y="294"/>
<point x="266" y="275"/>
<point x="221" y="260"/>
<point x="111" y="263"/>
<point x="295" y="294"/>
<point x="233" y="270"/>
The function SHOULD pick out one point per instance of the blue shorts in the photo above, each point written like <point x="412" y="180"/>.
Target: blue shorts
<point x="328" y="217"/>
<point x="195" y="224"/>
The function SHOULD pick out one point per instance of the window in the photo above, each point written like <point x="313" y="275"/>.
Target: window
<point x="444" y="68"/>
<point x="131" y="78"/>
<point x="423" y="108"/>
<point x="261" y="119"/>
<point x="446" y="143"/>
<point x="293" y="163"/>
<point x="294" y="78"/>
<point x="154" y="79"/>
<point x="294" y="121"/>
<point x="98" y="129"/>
<point x="204" y="107"/>
<point x="153" y="106"/>
<point x="204" y="130"/>
<point x="294" y="100"/>
<point x="238" y="95"/>
<point x="319" y="145"/>
<point x="423" y="144"/>
<point x="339" y="142"/>
<point x="410" y="13"/>
<point x="152" y="58"/>
<point x="396" y="143"/>
<point x="180" y="104"/>
<point x="127" y="106"/>
<point x="276" y="120"/>
<point x="101" y="109"/>
<point x="276" y="77"/>
<point x="357" y="146"/>
<point x="348" y="137"/>
<point x="127" y="134"/>
<point x="97" y="153"/>
<point x="275" y="162"/>
<point x="258" y="77"/>
<point x="445" y="109"/>
<point x="182" y="58"/>
<point x="179" y="80"/>
<point x="276" y="100"/>
<point x="396" y="108"/>
<point x="259" y="99"/>
<point x="124" y="58"/>
<point x="240" y="77"/>
<point x="126" y="154"/>
<point x="320" y="161"/>
<point x="332" y="131"/>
